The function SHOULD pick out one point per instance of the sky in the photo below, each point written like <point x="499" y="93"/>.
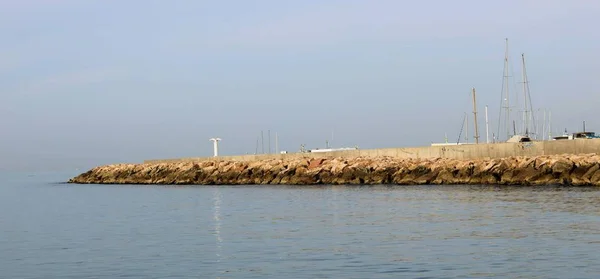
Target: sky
<point x="87" y="83"/>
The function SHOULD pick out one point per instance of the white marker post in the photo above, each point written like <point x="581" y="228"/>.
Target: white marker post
<point x="215" y="146"/>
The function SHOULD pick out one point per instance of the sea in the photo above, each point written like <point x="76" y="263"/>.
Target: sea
<point x="51" y="229"/>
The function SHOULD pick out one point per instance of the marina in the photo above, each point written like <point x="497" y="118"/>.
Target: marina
<point x="516" y="124"/>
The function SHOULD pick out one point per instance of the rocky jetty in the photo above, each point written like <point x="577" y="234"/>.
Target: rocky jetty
<point x="541" y="170"/>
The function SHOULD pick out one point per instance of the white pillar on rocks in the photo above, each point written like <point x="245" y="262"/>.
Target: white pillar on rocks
<point x="215" y="146"/>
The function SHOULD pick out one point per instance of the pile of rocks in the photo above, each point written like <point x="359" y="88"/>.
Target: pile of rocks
<point x="541" y="170"/>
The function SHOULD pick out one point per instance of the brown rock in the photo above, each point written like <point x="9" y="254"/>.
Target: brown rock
<point x="559" y="169"/>
<point x="562" y="165"/>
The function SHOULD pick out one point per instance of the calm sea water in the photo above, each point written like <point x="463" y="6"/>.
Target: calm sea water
<point x="53" y="230"/>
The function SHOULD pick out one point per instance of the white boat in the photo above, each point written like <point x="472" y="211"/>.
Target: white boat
<point x="577" y="135"/>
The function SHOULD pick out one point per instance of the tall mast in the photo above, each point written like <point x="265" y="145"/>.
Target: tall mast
<point x="544" y="126"/>
<point x="256" y="150"/>
<point x="487" y="126"/>
<point x="475" y="118"/>
<point x="549" y="125"/>
<point x="276" y="143"/>
<point x="507" y="107"/>
<point x="529" y="116"/>
<point x="505" y="96"/>
<point x="526" y="110"/>
<point x="331" y="138"/>
<point x="466" y="128"/>
<point x="461" y="128"/>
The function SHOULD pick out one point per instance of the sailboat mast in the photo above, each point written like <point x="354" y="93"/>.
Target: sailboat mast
<point x="507" y="91"/>
<point x="466" y="128"/>
<point x="256" y="150"/>
<point x="461" y="128"/>
<point x="549" y="125"/>
<point x="487" y="126"/>
<point x="505" y="97"/>
<point x="476" y="136"/>
<point x="544" y="126"/>
<point x="526" y="111"/>
<point x="276" y="143"/>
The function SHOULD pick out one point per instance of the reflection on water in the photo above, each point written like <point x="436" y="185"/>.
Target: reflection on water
<point x="217" y="218"/>
<point x="77" y="231"/>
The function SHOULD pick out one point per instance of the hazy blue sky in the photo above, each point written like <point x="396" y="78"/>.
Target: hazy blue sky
<point x="84" y="83"/>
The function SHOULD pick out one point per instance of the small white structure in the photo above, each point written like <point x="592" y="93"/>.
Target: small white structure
<point x="215" y="146"/>
<point x="450" y="143"/>
<point x="332" y="149"/>
<point x="519" y="138"/>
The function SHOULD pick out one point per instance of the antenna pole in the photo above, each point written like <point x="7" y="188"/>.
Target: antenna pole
<point x="269" y="135"/>
<point x="487" y="126"/>
<point x="476" y="136"/>
<point x="584" y="126"/>
<point x="262" y="142"/>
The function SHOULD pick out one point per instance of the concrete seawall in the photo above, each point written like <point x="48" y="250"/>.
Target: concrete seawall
<point x="461" y="152"/>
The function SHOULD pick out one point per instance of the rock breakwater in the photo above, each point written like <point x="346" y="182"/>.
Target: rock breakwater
<point x="541" y="170"/>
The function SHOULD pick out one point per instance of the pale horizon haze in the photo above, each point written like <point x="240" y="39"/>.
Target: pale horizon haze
<point x="88" y="83"/>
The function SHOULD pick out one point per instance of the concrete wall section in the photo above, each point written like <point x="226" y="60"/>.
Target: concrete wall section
<point x="572" y="146"/>
<point x="466" y="151"/>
